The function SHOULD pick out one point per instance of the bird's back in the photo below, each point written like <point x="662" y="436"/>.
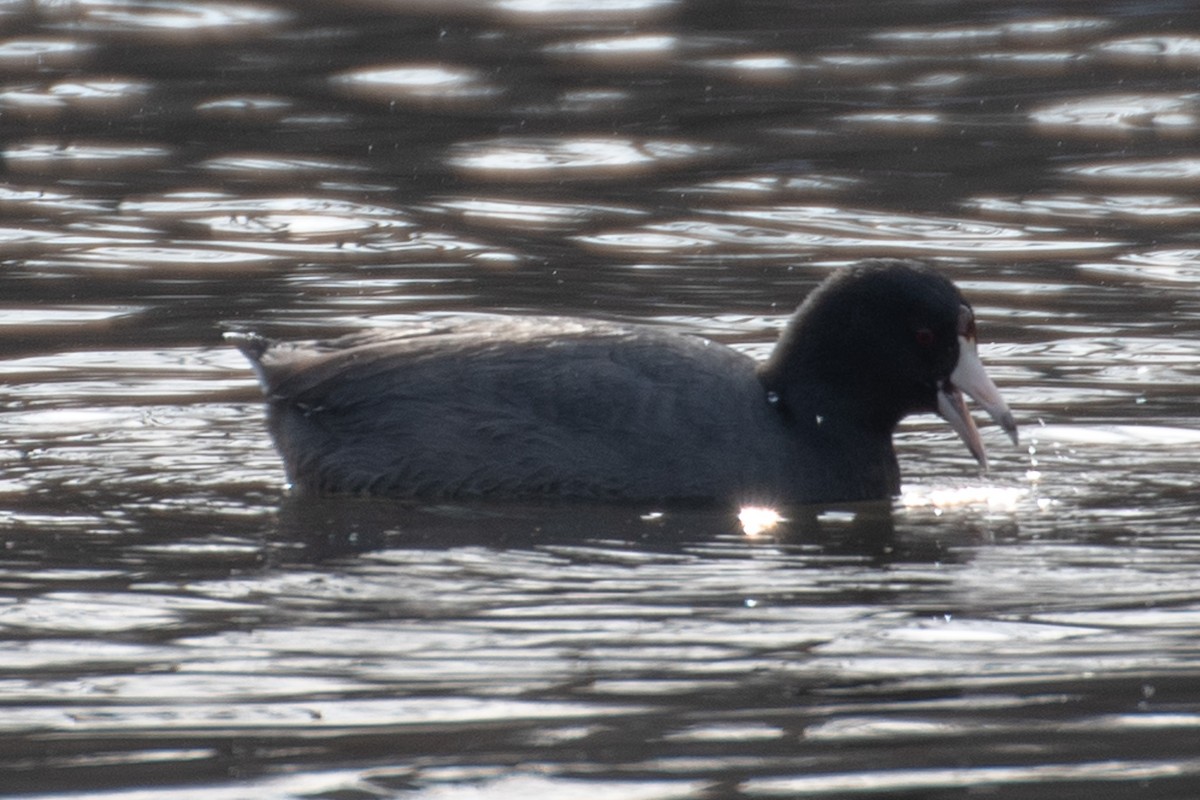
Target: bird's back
<point x="522" y="407"/>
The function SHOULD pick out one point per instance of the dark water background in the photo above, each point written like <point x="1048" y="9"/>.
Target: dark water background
<point x="174" y="625"/>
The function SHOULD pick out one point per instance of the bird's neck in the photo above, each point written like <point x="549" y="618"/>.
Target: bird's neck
<point x="812" y="392"/>
<point x="851" y="449"/>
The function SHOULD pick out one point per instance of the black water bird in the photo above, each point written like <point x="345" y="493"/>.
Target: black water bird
<point x="555" y="407"/>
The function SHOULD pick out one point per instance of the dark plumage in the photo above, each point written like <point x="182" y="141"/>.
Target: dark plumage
<point x="529" y="407"/>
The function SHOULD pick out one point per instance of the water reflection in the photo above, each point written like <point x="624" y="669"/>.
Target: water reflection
<point x="1167" y="173"/>
<point x="584" y="12"/>
<point x="175" y="22"/>
<point x="544" y="159"/>
<point x="1156" y="52"/>
<point x="319" y="529"/>
<point x="1154" y="265"/>
<point x="272" y="169"/>
<point x="1161" y="209"/>
<point x="175" y="622"/>
<point x="1017" y="34"/>
<point x="263" y="109"/>
<point x="789" y="232"/>
<point x="441" y="86"/>
<point x="99" y="97"/>
<point x="518" y="214"/>
<point x="38" y="54"/>
<point x="79" y="159"/>
<point x="754" y="67"/>
<point x="619" y="52"/>
<point x="1121" y="116"/>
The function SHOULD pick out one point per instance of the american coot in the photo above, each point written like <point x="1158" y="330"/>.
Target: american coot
<point x="528" y="407"/>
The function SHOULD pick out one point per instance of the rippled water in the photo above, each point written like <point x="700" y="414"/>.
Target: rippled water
<point x="175" y="624"/>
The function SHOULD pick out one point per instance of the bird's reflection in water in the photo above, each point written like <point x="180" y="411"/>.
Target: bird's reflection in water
<point x="316" y="529"/>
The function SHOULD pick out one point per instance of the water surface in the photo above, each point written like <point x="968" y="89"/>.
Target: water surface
<point x="176" y="624"/>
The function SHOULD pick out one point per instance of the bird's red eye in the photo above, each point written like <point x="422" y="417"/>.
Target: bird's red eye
<point x="924" y="337"/>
